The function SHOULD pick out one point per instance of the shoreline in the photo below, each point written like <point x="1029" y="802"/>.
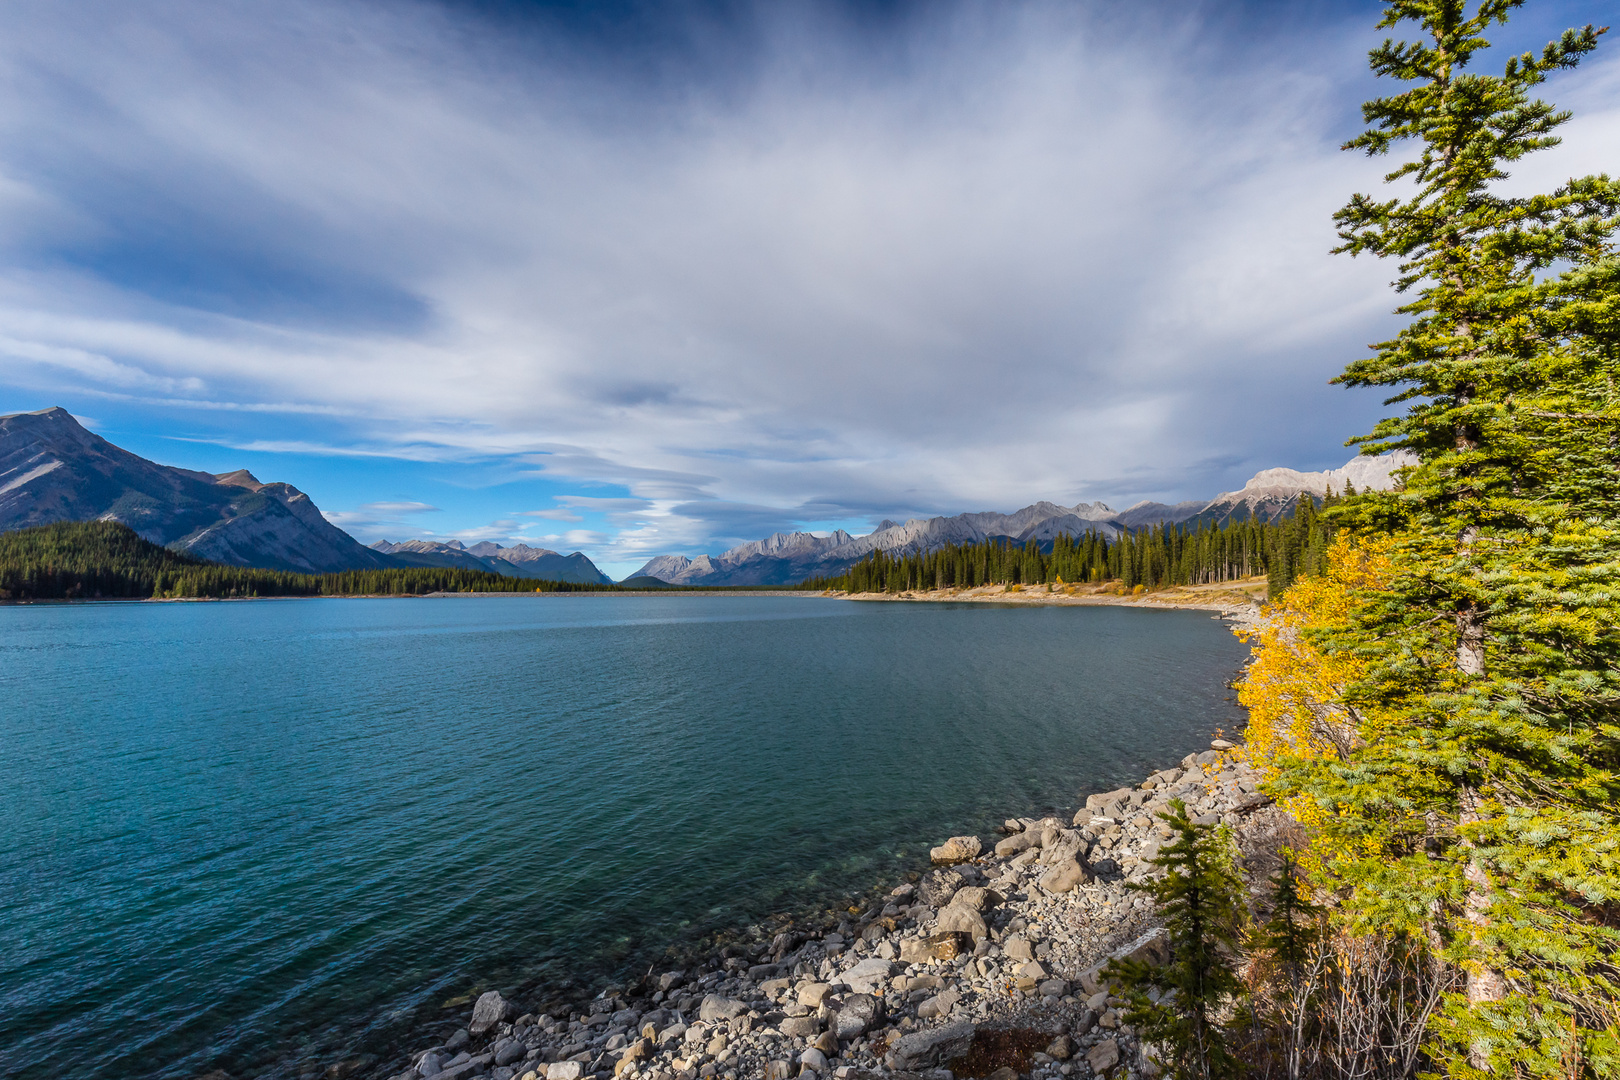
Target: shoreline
<point x="1239" y="601"/>
<point x="989" y="959"/>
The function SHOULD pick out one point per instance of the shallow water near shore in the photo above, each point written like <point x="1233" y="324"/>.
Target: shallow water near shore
<point x="257" y="835"/>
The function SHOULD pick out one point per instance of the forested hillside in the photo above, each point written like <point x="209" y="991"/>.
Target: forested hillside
<point x="1283" y="549"/>
<point x="105" y="559"/>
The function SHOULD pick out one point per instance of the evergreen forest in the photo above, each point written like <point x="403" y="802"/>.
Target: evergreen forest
<point x="86" y="560"/>
<point x="1199" y="554"/>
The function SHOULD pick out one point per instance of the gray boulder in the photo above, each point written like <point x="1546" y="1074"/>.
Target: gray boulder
<point x="931" y="1047"/>
<point x="488" y="1010"/>
<point x="1063" y="877"/>
<point x="976" y="897"/>
<point x="959" y="918"/>
<point x="937" y="888"/>
<point x="859" y="1014"/>
<point x="869" y="975"/>
<point x="716" y="1007"/>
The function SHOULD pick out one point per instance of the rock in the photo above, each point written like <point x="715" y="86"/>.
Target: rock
<point x="1152" y="947"/>
<point x="1206" y="819"/>
<point x="814" y="1059"/>
<point x="1006" y="1072"/>
<point x="811" y="995"/>
<point x="858" y="1014"/>
<point x="1084" y="1022"/>
<point x="962" y="920"/>
<point x="1103" y="1056"/>
<point x="957" y="849"/>
<point x="1061" y="1048"/>
<point x="509" y="1052"/>
<point x="715" y="1007"/>
<point x="669" y="980"/>
<point x="773" y="987"/>
<point x="936" y="889"/>
<point x="942" y="946"/>
<point x="1018" y="948"/>
<point x="1097" y="802"/>
<point x="827" y="1043"/>
<point x="1063" y="877"/>
<point x="1219" y="744"/>
<point x="565" y="1070"/>
<point x="869" y="975"/>
<point x="976" y="897"/>
<point x="761" y="972"/>
<point x="1208" y="757"/>
<point x="932" y="1047"/>
<point x="1081" y="817"/>
<point x="488" y="1010"/>
<point x="675" y="1033"/>
<point x="461" y="1038"/>
<point x="1032" y="970"/>
<point x="1109" y="1019"/>
<point x="1054" y="988"/>
<point x="800" y="1027"/>
<point x="1062" y="845"/>
<point x="938" y="1005"/>
<point x="1012" y="825"/>
<point x="1015" y="843"/>
<point x="429" y="1064"/>
<point x="779" y="1070"/>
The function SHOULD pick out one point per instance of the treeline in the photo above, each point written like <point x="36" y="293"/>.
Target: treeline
<point x="1283" y="549"/>
<point x="83" y="560"/>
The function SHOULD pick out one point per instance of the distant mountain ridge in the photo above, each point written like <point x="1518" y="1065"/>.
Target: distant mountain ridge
<point x="52" y="469"/>
<point x="788" y="558"/>
<point x="519" y="560"/>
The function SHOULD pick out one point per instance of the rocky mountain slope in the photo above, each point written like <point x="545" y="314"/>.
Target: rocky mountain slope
<point x="520" y="560"/>
<point x="786" y="558"/>
<point x="52" y="469"/>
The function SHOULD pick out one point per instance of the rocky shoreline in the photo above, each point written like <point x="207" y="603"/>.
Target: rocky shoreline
<point x="986" y="966"/>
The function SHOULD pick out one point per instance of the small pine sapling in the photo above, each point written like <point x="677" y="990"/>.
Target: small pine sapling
<point x="1200" y="896"/>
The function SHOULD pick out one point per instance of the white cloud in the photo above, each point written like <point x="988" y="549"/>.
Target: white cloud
<point x="1035" y="252"/>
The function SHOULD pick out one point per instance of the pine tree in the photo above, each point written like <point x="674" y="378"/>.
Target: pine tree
<point x="1200" y="897"/>
<point x="1478" y="810"/>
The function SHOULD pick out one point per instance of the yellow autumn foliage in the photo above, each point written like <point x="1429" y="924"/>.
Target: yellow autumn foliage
<point x="1293" y="690"/>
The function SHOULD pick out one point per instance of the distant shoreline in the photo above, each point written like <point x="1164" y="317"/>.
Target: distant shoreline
<point x="1240" y="598"/>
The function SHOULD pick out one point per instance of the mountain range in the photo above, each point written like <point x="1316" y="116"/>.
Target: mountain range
<point x="786" y="558"/>
<point x="52" y="469"/>
<point x="519" y="560"/>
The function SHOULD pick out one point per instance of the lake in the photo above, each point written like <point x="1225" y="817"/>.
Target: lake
<point x="258" y="834"/>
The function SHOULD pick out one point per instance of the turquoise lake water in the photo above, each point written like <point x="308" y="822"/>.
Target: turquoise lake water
<point x="259" y="835"/>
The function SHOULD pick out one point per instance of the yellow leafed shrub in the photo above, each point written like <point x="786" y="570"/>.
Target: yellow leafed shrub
<point x="1292" y="689"/>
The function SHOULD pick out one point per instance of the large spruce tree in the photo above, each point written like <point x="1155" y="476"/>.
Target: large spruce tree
<point x="1479" y="809"/>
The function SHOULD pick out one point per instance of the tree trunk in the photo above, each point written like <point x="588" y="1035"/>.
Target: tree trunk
<point x="1484" y="983"/>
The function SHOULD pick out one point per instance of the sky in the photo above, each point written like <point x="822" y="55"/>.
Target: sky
<point x="642" y="279"/>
